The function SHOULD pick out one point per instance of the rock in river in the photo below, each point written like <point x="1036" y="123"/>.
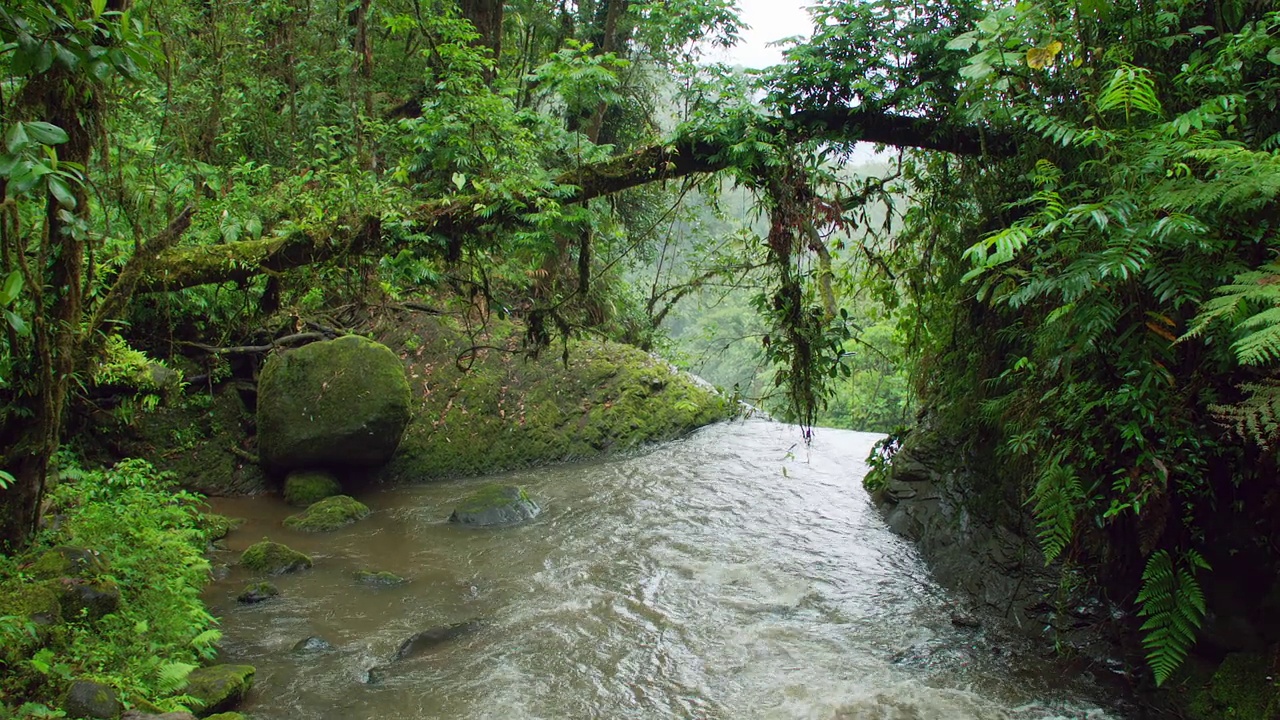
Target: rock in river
<point x="328" y="514"/>
<point x="219" y="687"/>
<point x="304" y="487"/>
<point x="341" y="402"/>
<point x="272" y="558"/>
<point x="495" y="504"/>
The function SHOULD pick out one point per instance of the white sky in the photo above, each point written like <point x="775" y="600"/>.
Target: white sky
<point x="770" y="20"/>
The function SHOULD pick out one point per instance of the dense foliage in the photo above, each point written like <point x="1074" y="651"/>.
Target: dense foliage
<point x="1076" y="261"/>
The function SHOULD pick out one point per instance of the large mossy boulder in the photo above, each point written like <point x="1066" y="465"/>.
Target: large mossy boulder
<point x="1243" y="687"/>
<point x="500" y="414"/>
<point x="219" y="688"/>
<point x="341" y="402"/>
<point x="329" y="514"/>
<point x="89" y="699"/>
<point x="495" y="505"/>
<point x="304" y="487"/>
<point x="272" y="558"/>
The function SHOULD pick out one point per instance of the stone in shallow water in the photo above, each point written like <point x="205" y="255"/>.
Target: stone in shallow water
<point x="219" y="687"/>
<point x="329" y="514"/>
<point x="313" y="644"/>
<point x="304" y="487"/>
<point x="379" y="579"/>
<point x="494" y="505"/>
<point x="258" y="592"/>
<point x="273" y="558"/>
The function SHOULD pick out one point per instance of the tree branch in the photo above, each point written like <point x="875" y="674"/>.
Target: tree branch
<point x="456" y="218"/>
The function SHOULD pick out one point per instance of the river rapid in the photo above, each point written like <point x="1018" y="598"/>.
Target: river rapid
<point x="735" y="573"/>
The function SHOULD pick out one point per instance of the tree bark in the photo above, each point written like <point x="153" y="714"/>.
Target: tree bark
<point x="486" y="16"/>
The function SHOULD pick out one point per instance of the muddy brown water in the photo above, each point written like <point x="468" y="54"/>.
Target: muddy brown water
<point x="733" y="574"/>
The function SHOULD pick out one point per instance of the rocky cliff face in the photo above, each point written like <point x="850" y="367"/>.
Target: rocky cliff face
<point x="972" y="531"/>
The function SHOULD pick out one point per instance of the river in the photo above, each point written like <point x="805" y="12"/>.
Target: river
<point x="735" y="573"/>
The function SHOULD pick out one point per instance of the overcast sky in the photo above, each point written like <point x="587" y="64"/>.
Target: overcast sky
<point x="770" y="20"/>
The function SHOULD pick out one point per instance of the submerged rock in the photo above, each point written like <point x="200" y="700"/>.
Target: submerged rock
<point x="273" y="558"/>
<point x="219" y="687"/>
<point x="342" y="402"/>
<point x="257" y="592"/>
<point x="304" y="487"/>
<point x="328" y="514"/>
<point x="417" y="644"/>
<point x="429" y="639"/>
<point x="88" y="699"/>
<point x="379" y="579"/>
<point x="496" y="504"/>
<point x="313" y="644"/>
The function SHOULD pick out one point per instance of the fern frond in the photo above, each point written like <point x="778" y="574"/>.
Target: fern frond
<point x="1173" y="603"/>
<point x="1056" y="500"/>
<point x="1257" y="417"/>
<point x="1133" y="89"/>
<point x="172" y="676"/>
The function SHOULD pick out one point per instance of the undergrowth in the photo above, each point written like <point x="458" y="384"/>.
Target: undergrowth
<point x="150" y="538"/>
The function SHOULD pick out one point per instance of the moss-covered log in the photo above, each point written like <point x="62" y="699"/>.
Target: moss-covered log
<point x="689" y="154"/>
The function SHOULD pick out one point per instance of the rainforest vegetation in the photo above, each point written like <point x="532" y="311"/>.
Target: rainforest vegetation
<point x="1064" y="255"/>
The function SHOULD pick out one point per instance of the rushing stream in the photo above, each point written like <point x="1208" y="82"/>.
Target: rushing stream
<point x="732" y="574"/>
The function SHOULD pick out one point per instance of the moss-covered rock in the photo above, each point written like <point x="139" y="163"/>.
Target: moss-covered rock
<point x="495" y="504"/>
<point x="217" y="527"/>
<point x="36" y="601"/>
<point x="227" y="716"/>
<point x="257" y="592"/>
<point x="272" y="558"/>
<point x="218" y="688"/>
<point x="304" y="487"/>
<point x="507" y="412"/>
<point x="328" y="514"/>
<point x="342" y="402"/>
<point x="379" y="579"/>
<point x="87" y="599"/>
<point x="1241" y="689"/>
<point x="66" y="561"/>
<point x="89" y="699"/>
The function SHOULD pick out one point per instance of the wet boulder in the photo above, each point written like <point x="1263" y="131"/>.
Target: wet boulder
<point x="419" y="643"/>
<point x="272" y="558"/>
<point x="312" y="644"/>
<point x="379" y="579"/>
<point x="329" y="514"/>
<point x="218" y="688"/>
<point x="304" y="487"/>
<point x="495" y="505"/>
<point x="88" y="699"/>
<point x="257" y="592"/>
<point x="341" y="402"/>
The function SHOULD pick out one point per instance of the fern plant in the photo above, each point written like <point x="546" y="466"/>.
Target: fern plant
<point x="1173" y="604"/>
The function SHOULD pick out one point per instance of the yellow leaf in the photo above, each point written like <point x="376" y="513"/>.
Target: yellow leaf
<point x="1043" y="57"/>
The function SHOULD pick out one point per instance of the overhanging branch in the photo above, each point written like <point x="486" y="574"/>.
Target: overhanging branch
<point x="686" y="155"/>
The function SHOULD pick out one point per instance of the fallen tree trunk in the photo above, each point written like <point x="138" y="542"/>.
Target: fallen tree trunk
<point x="686" y="155"/>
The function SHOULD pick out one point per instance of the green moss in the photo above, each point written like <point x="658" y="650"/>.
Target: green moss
<point x="257" y="592"/>
<point x="219" y="688"/>
<point x="507" y="412"/>
<point x="339" y="402"/>
<point x="217" y="527"/>
<point x="304" y="487"/>
<point x="273" y="558"/>
<point x="1240" y="689"/>
<point x="65" y="561"/>
<point x="328" y="514"/>
<point x="227" y="716"/>
<point x="379" y="579"/>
